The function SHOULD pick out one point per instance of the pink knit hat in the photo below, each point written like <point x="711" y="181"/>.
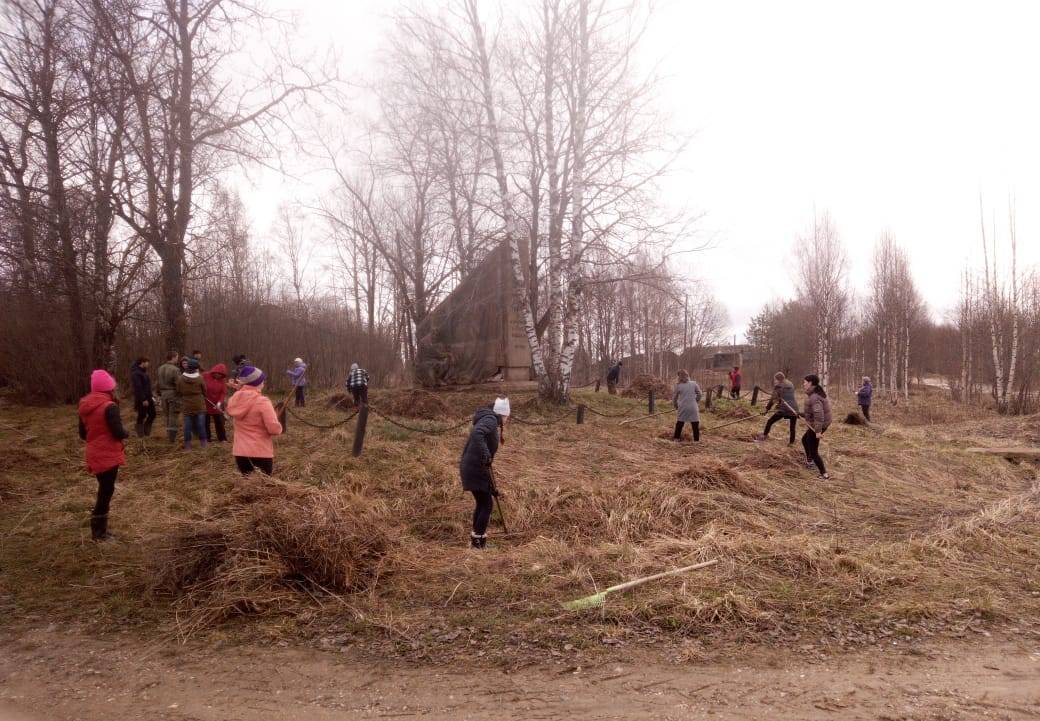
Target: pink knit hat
<point x="102" y="382"/>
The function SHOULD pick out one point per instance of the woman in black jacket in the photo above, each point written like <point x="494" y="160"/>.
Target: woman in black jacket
<point x="144" y="403"/>
<point x="475" y="471"/>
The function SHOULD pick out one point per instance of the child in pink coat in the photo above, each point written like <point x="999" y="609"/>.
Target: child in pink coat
<point x="256" y="423"/>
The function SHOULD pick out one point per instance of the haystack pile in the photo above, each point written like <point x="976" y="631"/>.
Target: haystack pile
<point x="340" y="401"/>
<point x="643" y="383"/>
<point x="264" y="543"/>
<point x="412" y="403"/>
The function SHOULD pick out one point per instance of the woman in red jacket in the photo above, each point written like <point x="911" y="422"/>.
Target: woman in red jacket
<point x="101" y="426"/>
<point x="215" y="380"/>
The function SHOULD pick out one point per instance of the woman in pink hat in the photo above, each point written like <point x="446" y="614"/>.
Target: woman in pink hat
<point x="101" y="426"/>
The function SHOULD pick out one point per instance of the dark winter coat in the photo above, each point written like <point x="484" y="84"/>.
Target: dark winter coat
<point x="614" y="373"/>
<point x="141" y="383"/>
<point x="865" y="394"/>
<point x="475" y="464"/>
<point x="784" y="399"/>
<point x="102" y="428"/>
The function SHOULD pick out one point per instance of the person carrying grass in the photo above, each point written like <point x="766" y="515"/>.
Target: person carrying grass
<point x="476" y="474"/>
<point x="817" y="417"/>
<point x="101" y="426"/>
<point x="256" y="423"/>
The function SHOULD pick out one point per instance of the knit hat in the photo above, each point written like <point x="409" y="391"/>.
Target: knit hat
<point x="251" y="376"/>
<point x="298" y="361"/>
<point x="102" y="382"/>
<point x="353" y="366"/>
<point x="193" y="364"/>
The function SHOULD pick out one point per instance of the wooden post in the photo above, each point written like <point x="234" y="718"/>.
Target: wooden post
<point x="581" y="413"/>
<point x="651" y="399"/>
<point x="597" y="385"/>
<point x="707" y="399"/>
<point x="754" y="396"/>
<point x="359" y="431"/>
<point x="283" y="418"/>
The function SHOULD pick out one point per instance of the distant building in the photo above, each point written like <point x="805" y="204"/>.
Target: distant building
<point x="725" y="357"/>
<point x="475" y="335"/>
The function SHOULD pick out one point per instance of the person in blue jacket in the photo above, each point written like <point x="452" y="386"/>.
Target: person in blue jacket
<point x="864" y="396"/>
<point x="298" y="376"/>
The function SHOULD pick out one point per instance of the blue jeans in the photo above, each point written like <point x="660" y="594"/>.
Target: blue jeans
<point x="196" y="423"/>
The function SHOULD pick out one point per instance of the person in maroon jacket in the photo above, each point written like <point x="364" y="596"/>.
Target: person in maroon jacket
<point x="215" y="380"/>
<point x="101" y="426"/>
<point x="734" y="382"/>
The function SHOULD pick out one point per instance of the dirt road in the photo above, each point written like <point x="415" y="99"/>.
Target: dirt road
<point x="56" y="675"/>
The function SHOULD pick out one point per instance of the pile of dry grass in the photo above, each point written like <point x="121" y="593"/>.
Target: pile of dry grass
<point x="413" y="403"/>
<point x="642" y="385"/>
<point x="714" y="475"/>
<point x="340" y="401"/>
<point x="727" y="408"/>
<point x="269" y="545"/>
<point x="855" y="419"/>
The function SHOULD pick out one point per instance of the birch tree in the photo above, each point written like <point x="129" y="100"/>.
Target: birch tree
<point x="822" y="284"/>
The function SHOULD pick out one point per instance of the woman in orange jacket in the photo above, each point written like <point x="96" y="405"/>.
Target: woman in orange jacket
<point x="256" y="423"/>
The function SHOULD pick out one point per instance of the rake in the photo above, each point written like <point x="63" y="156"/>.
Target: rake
<point x="598" y="599"/>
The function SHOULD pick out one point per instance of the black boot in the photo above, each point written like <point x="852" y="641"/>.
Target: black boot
<point x="147" y="429"/>
<point x="139" y="429"/>
<point x="478" y="542"/>
<point x="99" y="528"/>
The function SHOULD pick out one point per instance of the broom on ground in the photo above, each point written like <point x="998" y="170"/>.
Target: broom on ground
<point x="598" y="599"/>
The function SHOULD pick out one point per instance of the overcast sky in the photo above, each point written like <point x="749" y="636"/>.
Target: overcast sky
<point x="889" y="115"/>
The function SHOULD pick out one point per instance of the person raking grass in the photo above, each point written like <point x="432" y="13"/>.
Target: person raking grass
<point x="817" y="417"/>
<point x="686" y="399"/>
<point x="476" y="474"/>
<point x="101" y="426"/>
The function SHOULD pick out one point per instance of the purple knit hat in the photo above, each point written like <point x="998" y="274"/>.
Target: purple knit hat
<point x="251" y="376"/>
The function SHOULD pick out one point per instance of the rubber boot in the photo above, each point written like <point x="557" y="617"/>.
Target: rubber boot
<point x="478" y="542"/>
<point x="171" y="436"/>
<point x="99" y="528"/>
<point x="147" y="429"/>
<point x="139" y="429"/>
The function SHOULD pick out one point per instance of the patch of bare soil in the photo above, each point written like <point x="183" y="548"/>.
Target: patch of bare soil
<point x="58" y="675"/>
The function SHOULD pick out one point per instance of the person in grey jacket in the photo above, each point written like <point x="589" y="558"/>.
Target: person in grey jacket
<point x="817" y="417"/>
<point x="786" y="405"/>
<point x="685" y="399"/>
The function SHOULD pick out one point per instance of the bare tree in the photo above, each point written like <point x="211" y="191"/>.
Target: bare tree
<point x="822" y="287"/>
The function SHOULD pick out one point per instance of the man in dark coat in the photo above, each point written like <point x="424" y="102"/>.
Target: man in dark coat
<point x="475" y="471"/>
<point x="144" y="403"/>
<point x="613" y="376"/>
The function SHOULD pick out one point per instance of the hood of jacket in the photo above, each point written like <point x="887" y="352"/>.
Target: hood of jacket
<point x="245" y="399"/>
<point x="92" y="401"/>
<point x="484" y="413"/>
<point x="219" y="369"/>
